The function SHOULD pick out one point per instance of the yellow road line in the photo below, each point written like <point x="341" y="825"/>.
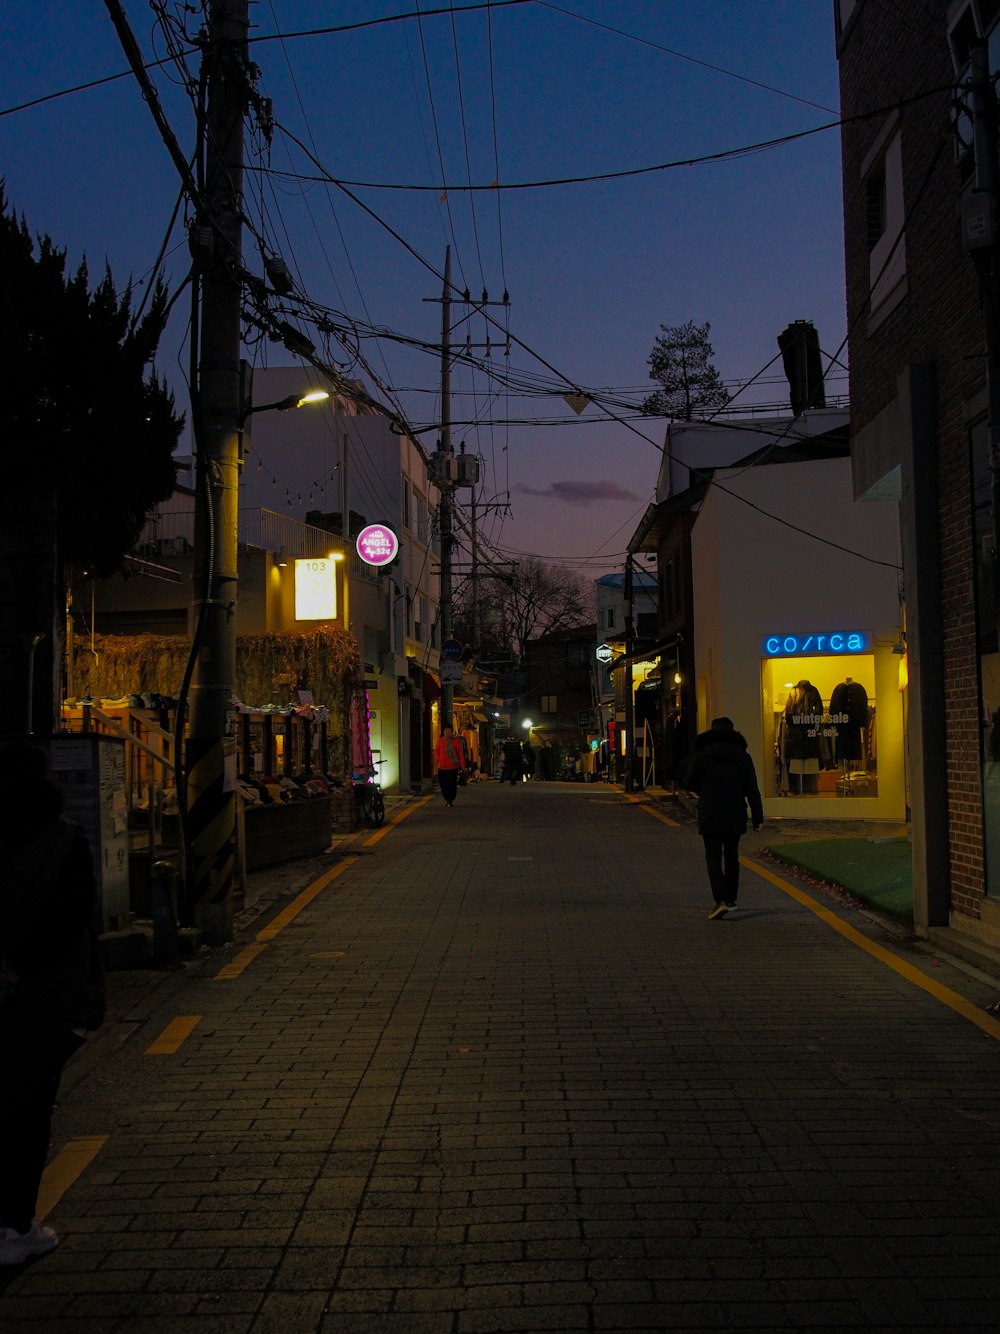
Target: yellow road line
<point x="651" y="810"/>
<point x="174" y="1034"/>
<point x="966" y="1008"/>
<point x="239" y="963"/>
<point x="303" y="900"/>
<point x="398" y="819"/>
<point x="64" y="1169"/>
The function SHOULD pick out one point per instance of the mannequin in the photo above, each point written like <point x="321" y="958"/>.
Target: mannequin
<point x="850" y="701"/>
<point x="803" y="719"/>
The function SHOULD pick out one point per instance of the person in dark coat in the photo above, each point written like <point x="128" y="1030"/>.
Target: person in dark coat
<point x="51" y="987"/>
<point x="721" y="772"/>
<point x="513" y="764"/>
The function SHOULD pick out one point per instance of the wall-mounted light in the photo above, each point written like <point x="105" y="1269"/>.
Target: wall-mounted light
<point x="282" y="560"/>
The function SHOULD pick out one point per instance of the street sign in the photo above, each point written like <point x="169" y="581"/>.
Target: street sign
<point x="451" y="673"/>
<point x="452" y="650"/>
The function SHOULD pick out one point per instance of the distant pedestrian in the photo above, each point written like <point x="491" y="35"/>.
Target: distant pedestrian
<point x="513" y="765"/>
<point x="450" y="756"/>
<point x="51" y="992"/>
<point x="528" y="760"/>
<point x="722" y="773"/>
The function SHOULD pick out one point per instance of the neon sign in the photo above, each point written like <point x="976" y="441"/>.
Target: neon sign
<point x="377" y="544"/>
<point x="796" y="646"/>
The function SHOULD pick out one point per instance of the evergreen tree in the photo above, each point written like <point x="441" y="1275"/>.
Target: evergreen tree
<point x="90" y="433"/>
<point x="690" y="386"/>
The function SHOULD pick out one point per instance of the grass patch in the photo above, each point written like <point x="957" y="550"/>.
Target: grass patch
<point x="880" y="874"/>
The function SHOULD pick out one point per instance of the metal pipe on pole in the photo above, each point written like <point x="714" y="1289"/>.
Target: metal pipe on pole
<point x="210" y="754"/>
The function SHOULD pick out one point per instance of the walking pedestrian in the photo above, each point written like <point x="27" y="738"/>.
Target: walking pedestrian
<point x="512" y="762"/>
<point x="722" y="773"/>
<point x="528" y="760"/>
<point x="450" y="756"/>
<point x="51" y="991"/>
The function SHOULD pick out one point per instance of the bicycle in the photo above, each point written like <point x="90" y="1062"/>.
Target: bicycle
<point x="368" y="798"/>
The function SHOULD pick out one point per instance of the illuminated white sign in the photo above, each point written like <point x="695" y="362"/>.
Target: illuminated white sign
<point x="604" y="653"/>
<point x="315" y="589"/>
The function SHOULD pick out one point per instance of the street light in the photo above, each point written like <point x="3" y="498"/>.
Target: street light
<point x="284" y="404"/>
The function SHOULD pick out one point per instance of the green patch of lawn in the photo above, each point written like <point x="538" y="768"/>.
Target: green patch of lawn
<point x="877" y="873"/>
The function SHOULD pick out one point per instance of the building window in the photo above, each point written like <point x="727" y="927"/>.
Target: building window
<point x="885" y="220"/>
<point x="989" y="653"/>
<point x="409" y="611"/>
<point x="578" y="653"/>
<point x="547" y="704"/>
<point x="406" y="503"/>
<point x="610" y="614"/>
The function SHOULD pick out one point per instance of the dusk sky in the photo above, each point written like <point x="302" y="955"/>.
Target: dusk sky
<point x="531" y="95"/>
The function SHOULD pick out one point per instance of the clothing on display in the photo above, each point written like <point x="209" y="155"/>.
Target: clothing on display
<point x="849" y="709"/>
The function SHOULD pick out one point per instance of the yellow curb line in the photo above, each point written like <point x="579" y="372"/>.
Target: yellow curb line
<point x="966" y="1008"/>
<point x="174" y="1034"/>
<point x="303" y="900"/>
<point x="239" y="963"/>
<point x="398" y="819"/>
<point x="650" y="810"/>
<point x="64" y="1169"/>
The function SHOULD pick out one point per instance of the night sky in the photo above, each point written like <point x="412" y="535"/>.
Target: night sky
<point x="532" y="96"/>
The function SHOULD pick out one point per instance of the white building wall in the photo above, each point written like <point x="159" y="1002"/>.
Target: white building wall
<point x="755" y="576"/>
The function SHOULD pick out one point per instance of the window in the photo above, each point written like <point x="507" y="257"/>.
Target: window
<point x="419" y="617"/>
<point x="989" y="652"/>
<point x="885" y="220"/>
<point x="579" y="653"/>
<point x="406" y="503"/>
<point x="409" y="611"/>
<point x="547" y="704"/>
<point x="610" y="618"/>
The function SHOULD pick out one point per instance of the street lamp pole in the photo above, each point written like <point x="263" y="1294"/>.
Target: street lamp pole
<point x="444" y="458"/>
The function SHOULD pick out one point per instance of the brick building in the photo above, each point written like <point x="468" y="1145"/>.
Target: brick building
<point x="919" y="420"/>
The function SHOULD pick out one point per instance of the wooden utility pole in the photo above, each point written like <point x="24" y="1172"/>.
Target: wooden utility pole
<point x="210" y="759"/>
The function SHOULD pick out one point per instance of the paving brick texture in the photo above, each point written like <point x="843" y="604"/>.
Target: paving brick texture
<point x="503" y="1074"/>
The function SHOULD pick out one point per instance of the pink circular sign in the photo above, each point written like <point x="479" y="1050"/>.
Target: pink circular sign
<point x="377" y="544"/>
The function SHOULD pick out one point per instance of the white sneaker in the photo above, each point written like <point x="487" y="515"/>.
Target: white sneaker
<point x="16" y="1247"/>
<point x="732" y="907"/>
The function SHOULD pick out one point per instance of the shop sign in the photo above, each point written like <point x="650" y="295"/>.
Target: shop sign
<point x="377" y="544"/>
<point x="604" y="653"/>
<point x="835" y="642"/>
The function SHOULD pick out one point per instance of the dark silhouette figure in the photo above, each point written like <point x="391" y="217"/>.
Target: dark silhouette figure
<point x="723" y="775"/>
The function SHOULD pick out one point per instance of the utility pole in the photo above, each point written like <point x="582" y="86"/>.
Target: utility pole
<point x="209" y="762"/>
<point x="444" y="459"/>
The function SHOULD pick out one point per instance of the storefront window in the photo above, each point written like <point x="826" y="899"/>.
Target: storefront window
<point x="819" y="720"/>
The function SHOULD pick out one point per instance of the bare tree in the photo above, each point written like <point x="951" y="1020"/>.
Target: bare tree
<point x="535" y="599"/>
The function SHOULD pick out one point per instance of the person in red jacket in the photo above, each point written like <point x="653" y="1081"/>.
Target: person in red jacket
<point x="450" y="756"/>
<point x="723" y="775"/>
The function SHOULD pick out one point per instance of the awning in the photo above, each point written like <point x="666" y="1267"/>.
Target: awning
<point x="652" y="651"/>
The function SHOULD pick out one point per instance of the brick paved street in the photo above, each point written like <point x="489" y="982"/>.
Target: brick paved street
<point x="500" y="1073"/>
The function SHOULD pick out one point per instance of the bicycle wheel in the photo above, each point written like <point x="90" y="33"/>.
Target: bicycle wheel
<point x="367" y="805"/>
<point x="378" y="808"/>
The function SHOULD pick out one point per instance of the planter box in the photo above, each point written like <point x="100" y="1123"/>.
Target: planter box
<point x="281" y="833"/>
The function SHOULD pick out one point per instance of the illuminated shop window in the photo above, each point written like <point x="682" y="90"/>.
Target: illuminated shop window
<point x="819" y="720"/>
